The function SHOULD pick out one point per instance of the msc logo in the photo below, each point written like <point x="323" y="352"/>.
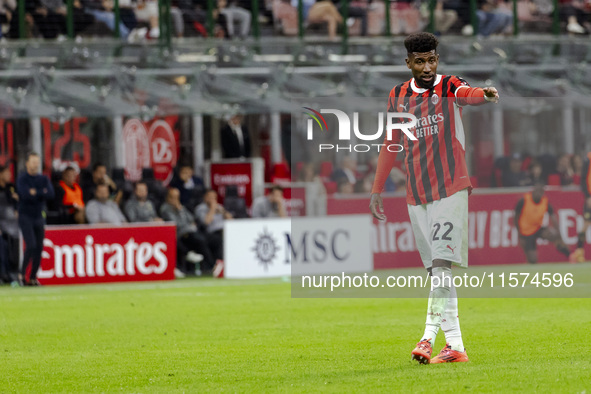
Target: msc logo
<point x="265" y="248"/>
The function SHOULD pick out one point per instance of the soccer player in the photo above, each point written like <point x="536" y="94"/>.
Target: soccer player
<point x="578" y="256"/>
<point x="437" y="184"/>
<point x="529" y="215"/>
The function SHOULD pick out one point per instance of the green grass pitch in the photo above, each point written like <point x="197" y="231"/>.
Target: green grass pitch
<point x="208" y="335"/>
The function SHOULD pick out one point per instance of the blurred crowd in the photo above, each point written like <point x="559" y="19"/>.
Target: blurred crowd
<point x="526" y="170"/>
<point x="139" y="19"/>
<point x="95" y="197"/>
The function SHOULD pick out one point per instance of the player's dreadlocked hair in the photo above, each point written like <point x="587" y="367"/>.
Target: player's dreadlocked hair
<point x="421" y="42"/>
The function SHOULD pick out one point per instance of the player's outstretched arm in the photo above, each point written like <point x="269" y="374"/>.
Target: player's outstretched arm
<point x="476" y="96"/>
<point x="376" y="206"/>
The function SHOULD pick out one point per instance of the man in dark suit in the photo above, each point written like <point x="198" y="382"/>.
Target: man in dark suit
<point x="235" y="139"/>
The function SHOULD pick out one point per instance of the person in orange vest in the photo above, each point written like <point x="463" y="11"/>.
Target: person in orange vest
<point x="529" y="215"/>
<point x="69" y="194"/>
<point x="578" y="256"/>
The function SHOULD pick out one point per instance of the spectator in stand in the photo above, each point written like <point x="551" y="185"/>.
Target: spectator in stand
<point x="462" y="9"/>
<point x="444" y="18"/>
<point x="577" y="166"/>
<point x="188" y="237"/>
<point x="191" y="15"/>
<point x="69" y="195"/>
<point x="344" y="186"/>
<point x="535" y="173"/>
<point x="99" y="175"/>
<point x="356" y="10"/>
<point x="576" y="14"/>
<point x="348" y="171"/>
<point x="102" y="11"/>
<point x="564" y="169"/>
<point x="7" y="10"/>
<point x="364" y="185"/>
<point x="103" y="210"/>
<point x="138" y="208"/>
<point x="513" y="176"/>
<point x="406" y="18"/>
<point x="235" y="138"/>
<point x="323" y="11"/>
<point x="147" y="11"/>
<point x="9" y="230"/>
<point x="211" y="215"/>
<point x="309" y="174"/>
<point x="56" y="15"/>
<point x="234" y="14"/>
<point x="186" y="182"/>
<point x="270" y="206"/>
<point x="390" y="185"/>
<point x="492" y="18"/>
<point x="34" y="190"/>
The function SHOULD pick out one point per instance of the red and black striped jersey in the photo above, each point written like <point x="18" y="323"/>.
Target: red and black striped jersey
<point x="435" y="163"/>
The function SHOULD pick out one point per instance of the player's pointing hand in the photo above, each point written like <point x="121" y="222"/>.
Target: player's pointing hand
<point x="377" y="206"/>
<point x="491" y="94"/>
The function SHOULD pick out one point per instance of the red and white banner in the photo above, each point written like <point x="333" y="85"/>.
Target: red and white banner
<point x="493" y="238"/>
<point x="152" y="144"/>
<point x="245" y="175"/>
<point x="98" y="254"/>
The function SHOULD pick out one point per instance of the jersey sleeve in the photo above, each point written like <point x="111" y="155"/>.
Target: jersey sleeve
<point x="386" y="158"/>
<point x="464" y="93"/>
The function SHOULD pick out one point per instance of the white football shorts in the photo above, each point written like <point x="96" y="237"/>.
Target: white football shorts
<point x="441" y="229"/>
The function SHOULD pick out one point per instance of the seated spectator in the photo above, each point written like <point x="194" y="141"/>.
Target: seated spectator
<point x="356" y="11"/>
<point x="513" y="176"/>
<point x="185" y="12"/>
<point x="444" y="18"/>
<point x="577" y="166"/>
<point x="211" y="215"/>
<point x="103" y="210"/>
<point x="565" y="170"/>
<point x="186" y="182"/>
<point x="69" y="195"/>
<point x="493" y="19"/>
<point x="234" y="14"/>
<point x="7" y="10"/>
<point x="462" y="9"/>
<point x="348" y="170"/>
<point x="323" y="11"/>
<point x="147" y="11"/>
<point x="138" y="208"/>
<point x="344" y="186"/>
<point x="576" y="14"/>
<point x="535" y="174"/>
<point x="406" y="17"/>
<point x="270" y="206"/>
<point x="9" y="228"/>
<point x="188" y="237"/>
<point x="102" y="11"/>
<point x="99" y="175"/>
<point x="364" y="185"/>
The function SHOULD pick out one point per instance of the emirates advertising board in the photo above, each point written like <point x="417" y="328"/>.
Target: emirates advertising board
<point x="99" y="254"/>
